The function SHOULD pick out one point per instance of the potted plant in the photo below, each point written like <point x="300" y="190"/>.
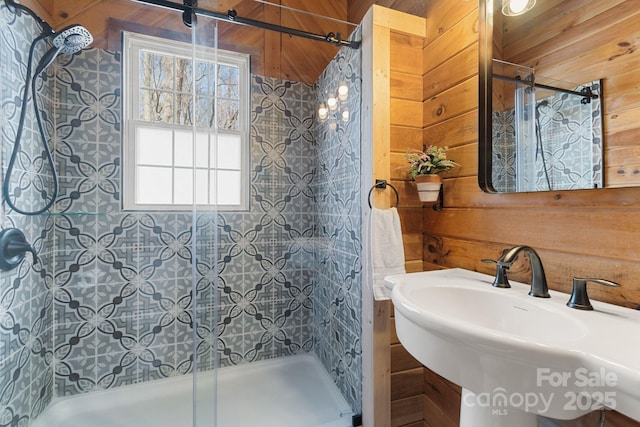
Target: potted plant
<point x="425" y="167"/>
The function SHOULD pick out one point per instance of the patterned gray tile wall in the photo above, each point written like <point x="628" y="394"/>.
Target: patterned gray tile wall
<point x="265" y="255"/>
<point x="26" y="316"/>
<point x="122" y="294"/>
<point x="337" y="293"/>
<point x="503" y="151"/>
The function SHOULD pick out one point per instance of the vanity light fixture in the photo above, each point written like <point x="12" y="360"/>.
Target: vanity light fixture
<point x="517" y="7"/>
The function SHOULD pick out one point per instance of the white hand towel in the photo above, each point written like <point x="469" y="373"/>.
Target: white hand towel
<point x="387" y="251"/>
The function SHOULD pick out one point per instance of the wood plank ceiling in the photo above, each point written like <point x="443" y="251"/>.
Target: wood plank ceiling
<point x="273" y="54"/>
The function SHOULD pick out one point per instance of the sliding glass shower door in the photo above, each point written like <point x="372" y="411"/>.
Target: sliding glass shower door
<point x="277" y="262"/>
<point x="216" y="152"/>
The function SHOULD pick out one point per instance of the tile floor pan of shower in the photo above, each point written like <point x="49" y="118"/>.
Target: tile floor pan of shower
<point x="293" y="391"/>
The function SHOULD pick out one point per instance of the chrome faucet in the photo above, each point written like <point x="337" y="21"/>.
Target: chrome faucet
<point x="538" y="279"/>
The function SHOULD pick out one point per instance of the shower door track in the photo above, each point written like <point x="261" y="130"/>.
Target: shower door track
<point x="232" y="16"/>
<point x="586" y="92"/>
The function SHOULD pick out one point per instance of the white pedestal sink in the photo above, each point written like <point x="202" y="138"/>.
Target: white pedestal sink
<point x="517" y="356"/>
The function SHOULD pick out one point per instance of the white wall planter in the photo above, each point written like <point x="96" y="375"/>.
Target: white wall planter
<point x="428" y="187"/>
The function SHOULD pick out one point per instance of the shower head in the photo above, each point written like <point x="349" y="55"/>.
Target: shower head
<point x="68" y="41"/>
<point x="72" y="39"/>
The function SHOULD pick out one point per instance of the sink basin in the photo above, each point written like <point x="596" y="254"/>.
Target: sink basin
<point x="516" y="355"/>
<point x="495" y="312"/>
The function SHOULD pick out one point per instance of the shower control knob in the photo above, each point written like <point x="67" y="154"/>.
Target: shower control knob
<point x="13" y="246"/>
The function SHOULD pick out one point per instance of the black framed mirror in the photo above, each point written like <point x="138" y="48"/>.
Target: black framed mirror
<point x="559" y="96"/>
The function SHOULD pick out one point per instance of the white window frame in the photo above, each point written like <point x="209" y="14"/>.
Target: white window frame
<point x="133" y="44"/>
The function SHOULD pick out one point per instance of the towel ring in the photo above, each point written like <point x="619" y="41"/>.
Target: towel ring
<point x="382" y="184"/>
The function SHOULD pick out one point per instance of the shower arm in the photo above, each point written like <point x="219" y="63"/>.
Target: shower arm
<point x="232" y="16"/>
<point x="586" y="92"/>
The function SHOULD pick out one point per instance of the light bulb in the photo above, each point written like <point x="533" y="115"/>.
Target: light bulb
<point x="345" y="116"/>
<point x="323" y="112"/>
<point x="343" y="92"/>
<point x="332" y="103"/>
<point x="516" y="7"/>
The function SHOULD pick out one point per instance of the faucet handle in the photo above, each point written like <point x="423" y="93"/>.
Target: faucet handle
<point x="501" y="280"/>
<point x="579" y="298"/>
<point x="13" y="245"/>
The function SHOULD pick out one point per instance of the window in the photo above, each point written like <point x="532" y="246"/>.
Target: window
<point x="172" y="138"/>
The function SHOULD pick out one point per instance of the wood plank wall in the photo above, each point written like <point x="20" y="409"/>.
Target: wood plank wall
<point x="588" y="233"/>
<point x="419" y="398"/>
<point x="394" y="115"/>
<point x="476" y="225"/>
<point x="582" y="41"/>
<point x="391" y="80"/>
<point x="407" y="385"/>
<point x="406" y="134"/>
<point x="407" y="374"/>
